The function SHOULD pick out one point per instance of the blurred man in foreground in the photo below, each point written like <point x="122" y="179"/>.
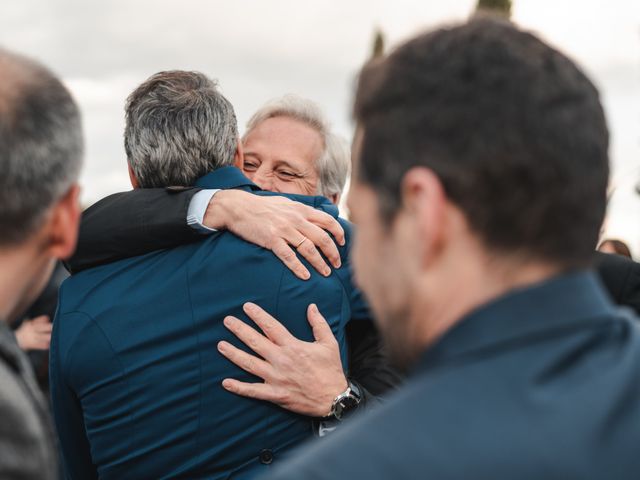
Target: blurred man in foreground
<point x="480" y="171"/>
<point x="40" y="160"/>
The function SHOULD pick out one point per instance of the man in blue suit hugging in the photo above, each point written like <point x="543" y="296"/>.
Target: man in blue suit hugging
<point x="135" y="372"/>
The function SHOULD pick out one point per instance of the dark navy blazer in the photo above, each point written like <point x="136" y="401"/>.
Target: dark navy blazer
<point x="543" y="383"/>
<point x="135" y="373"/>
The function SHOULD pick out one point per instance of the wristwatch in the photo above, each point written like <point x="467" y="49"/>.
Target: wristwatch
<point x="345" y="402"/>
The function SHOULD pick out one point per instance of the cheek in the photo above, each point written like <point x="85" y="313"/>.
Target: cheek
<point x="296" y="187"/>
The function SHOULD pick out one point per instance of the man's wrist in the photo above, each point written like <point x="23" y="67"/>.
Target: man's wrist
<point x="227" y="209"/>
<point x="346" y="400"/>
<point x="218" y="209"/>
<point x="197" y="210"/>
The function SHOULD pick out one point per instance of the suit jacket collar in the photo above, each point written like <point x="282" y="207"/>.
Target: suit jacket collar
<point x="226" y="178"/>
<point x="564" y="302"/>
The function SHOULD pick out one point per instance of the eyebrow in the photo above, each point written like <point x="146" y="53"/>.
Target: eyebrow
<point x="251" y="154"/>
<point x="286" y="163"/>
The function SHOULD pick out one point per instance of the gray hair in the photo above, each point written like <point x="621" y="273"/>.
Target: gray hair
<point x="334" y="161"/>
<point x="179" y="127"/>
<point x="41" y="145"/>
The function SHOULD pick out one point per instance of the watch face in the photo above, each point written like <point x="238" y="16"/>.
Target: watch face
<point x="347" y="403"/>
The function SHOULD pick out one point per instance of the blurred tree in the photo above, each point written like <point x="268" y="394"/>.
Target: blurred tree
<point x="378" y="44"/>
<point x="501" y="7"/>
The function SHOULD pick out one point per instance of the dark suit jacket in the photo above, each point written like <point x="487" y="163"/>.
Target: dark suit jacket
<point x="133" y="223"/>
<point x="135" y="373"/>
<point x="543" y="383"/>
<point x="27" y="442"/>
<point x="621" y="277"/>
<point x="124" y="225"/>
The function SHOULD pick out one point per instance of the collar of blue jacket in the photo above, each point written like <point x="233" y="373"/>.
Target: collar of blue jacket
<point x="522" y="314"/>
<point x="231" y="177"/>
<point x="226" y="178"/>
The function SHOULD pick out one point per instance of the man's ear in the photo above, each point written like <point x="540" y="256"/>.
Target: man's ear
<point x="335" y="198"/>
<point x="424" y="198"/>
<point x="133" y="178"/>
<point x="61" y="231"/>
<point x="238" y="159"/>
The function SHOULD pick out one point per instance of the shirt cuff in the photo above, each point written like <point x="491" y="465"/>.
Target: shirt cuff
<point x="197" y="209"/>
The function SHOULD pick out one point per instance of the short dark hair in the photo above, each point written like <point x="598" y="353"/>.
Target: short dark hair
<point x="513" y="129"/>
<point x="179" y="127"/>
<point x="41" y="145"/>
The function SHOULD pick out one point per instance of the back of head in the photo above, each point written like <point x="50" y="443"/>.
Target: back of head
<point x="41" y="145"/>
<point x="334" y="161"/>
<point x="178" y="128"/>
<point x="512" y="128"/>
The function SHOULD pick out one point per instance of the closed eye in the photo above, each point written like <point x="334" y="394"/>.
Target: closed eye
<point x="250" y="166"/>
<point x="288" y="175"/>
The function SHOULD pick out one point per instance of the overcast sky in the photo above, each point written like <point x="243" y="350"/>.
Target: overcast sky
<point x="261" y="49"/>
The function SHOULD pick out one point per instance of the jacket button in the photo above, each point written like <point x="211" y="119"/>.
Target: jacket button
<point x="266" y="456"/>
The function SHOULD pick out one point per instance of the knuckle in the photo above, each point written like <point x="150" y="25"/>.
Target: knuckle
<point x="287" y="255"/>
<point x="249" y="365"/>
<point x="282" y="396"/>
<point x="279" y="249"/>
<point x="326" y="241"/>
<point x="250" y="392"/>
<point x="309" y="249"/>
<point x="267" y="326"/>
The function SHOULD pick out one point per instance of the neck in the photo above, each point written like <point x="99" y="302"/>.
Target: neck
<point x="24" y="270"/>
<point x="455" y="293"/>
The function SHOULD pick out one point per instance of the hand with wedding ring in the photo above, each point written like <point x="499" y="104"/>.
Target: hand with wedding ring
<point x="280" y="225"/>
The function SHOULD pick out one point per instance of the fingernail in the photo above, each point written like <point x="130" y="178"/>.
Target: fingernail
<point x="314" y="308"/>
<point x="228" y="321"/>
<point x="327" y="272"/>
<point x="337" y="263"/>
<point x="305" y="275"/>
<point x="227" y="384"/>
<point x="222" y="346"/>
<point x="249" y="307"/>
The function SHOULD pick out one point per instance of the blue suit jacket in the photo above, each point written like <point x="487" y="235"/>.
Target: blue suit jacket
<point x="135" y="373"/>
<point x="543" y="383"/>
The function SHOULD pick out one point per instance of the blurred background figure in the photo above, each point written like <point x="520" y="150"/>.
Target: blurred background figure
<point x="33" y="328"/>
<point x="615" y="246"/>
<point x="41" y="151"/>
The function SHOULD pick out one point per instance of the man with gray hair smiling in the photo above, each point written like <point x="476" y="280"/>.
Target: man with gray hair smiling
<point x="134" y="345"/>
<point x="309" y="158"/>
